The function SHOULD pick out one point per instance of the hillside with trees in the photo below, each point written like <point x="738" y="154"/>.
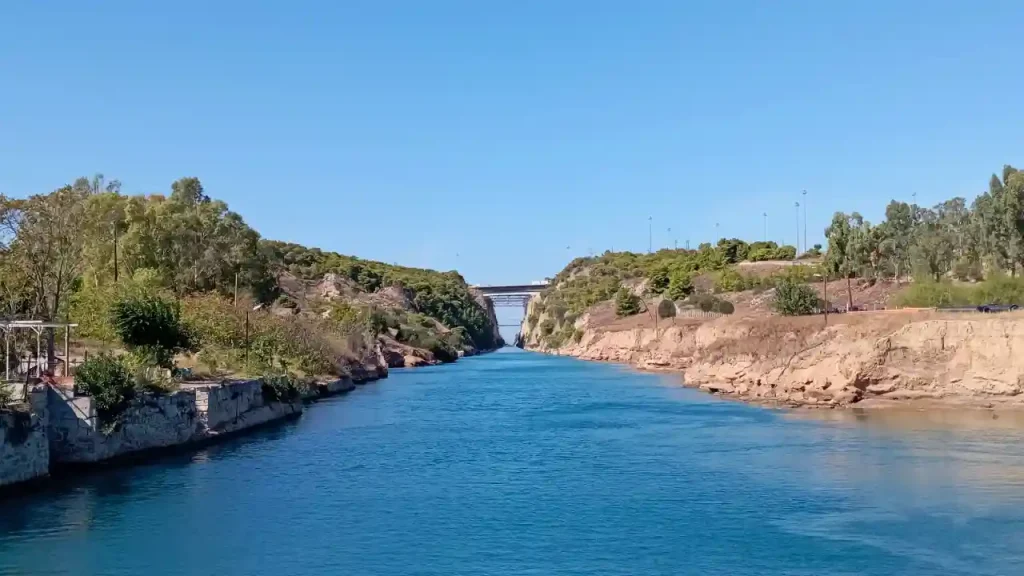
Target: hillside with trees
<point x="78" y="253"/>
<point x="954" y="253"/>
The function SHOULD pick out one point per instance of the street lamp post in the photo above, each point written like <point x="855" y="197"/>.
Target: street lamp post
<point x="806" y="246"/>
<point x="765" y="226"/>
<point x="797" y="206"/>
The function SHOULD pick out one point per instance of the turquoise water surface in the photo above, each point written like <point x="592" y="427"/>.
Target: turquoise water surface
<point x="517" y="463"/>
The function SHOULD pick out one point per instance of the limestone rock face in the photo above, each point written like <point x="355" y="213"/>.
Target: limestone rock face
<point x="333" y="287"/>
<point x="870" y="356"/>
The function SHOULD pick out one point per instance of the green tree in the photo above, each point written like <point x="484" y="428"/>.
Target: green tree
<point x="658" y="281"/>
<point x="846" y="248"/>
<point x="680" y="285"/>
<point x="626" y="303"/>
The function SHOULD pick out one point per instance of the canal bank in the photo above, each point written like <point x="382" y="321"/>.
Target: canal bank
<point x="54" y="431"/>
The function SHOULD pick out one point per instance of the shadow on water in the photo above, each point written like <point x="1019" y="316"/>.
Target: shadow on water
<point x="119" y="479"/>
<point x="915" y="418"/>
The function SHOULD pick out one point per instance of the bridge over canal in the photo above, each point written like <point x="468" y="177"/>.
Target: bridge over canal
<point x="511" y="295"/>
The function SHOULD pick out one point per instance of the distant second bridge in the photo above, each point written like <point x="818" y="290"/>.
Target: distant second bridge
<point x="511" y="294"/>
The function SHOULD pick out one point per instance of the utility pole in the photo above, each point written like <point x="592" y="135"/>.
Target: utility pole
<point x="806" y="246"/>
<point x="670" y="232"/>
<point x="716" y="233"/>
<point x="765" y="226"/>
<point x="650" y="233"/>
<point x="797" y="204"/>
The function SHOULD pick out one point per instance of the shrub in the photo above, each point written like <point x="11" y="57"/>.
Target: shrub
<point x="313" y="346"/>
<point x="151" y="323"/>
<point x="107" y="380"/>
<point x="626" y="303"/>
<point x="785" y="253"/>
<point x="680" y="285"/>
<point x="730" y="281"/>
<point x="998" y="289"/>
<point x="709" y="303"/>
<point x="666" y="309"/>
<point x="794" y="299"/>
<point x="658" y="281"/>
<point x="280" y="388"/>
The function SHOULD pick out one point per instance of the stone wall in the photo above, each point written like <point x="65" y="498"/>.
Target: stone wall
<point x="193" y="414"/>
<point x="24" y="448"/>
<point x="152" y="421"/>
<point x="58" y="428"/>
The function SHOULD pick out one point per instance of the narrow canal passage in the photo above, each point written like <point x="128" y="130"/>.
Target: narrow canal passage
<point x="518" y="463"/>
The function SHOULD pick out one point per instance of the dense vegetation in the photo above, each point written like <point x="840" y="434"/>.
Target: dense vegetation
<point x="441" y="295"/>
<point x="127" y="268"/>
<point x="952" y="240"/>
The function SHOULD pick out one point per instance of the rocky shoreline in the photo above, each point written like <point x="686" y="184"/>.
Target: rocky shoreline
<point x="872" y="360"/>
<point x="55" y="432"/>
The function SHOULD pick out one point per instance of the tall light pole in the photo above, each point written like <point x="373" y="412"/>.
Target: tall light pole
<point x="797" y="205"/>
<point x="765" y="226"/>
<point x="806" y="247"/>
<point x="650" y="233"/>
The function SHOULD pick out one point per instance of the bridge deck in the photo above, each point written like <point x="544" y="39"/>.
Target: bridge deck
<point x="512" y="289"/>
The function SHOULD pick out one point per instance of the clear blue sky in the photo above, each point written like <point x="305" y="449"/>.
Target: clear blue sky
<point x="505" y="132"/>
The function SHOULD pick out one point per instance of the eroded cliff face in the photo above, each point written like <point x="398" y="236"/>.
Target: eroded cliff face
<point x="488" y="307"/>
<point x="864" y="358"/>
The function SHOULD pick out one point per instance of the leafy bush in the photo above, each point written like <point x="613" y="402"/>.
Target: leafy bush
<point x="107" y="380"/>
<point x="91" y="304"/>
<point x="998" y="289"/>
<point x="658" y="281"/>
<point x="626" y="303"/>
<point x="709" y="303"/>
<point x="785" y="253"/>
<point x="666" y="309"/>
<point x="680" y="285"/>
<point x="794" y="299"/>
<point x="280" y="388"/>
<point x="730" y="281"/>
<point x="151" y="324"/>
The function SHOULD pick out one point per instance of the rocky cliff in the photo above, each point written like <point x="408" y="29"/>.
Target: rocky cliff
<point x="865" y="359"/>
<point x="397" y="331"/>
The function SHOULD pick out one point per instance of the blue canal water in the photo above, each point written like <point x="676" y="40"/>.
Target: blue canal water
<point x="521" y="464"/>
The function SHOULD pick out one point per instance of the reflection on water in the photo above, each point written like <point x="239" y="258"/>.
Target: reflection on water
<point x="913" y="418"/>
<point x="516" y="463"/>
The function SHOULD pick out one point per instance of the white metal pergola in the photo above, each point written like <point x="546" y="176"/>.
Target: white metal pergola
<point x="37" y="326"/>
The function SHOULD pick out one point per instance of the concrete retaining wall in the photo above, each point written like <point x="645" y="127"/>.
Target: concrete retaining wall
<point x="24" y="448"/>
<point x="63" y="429"/>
